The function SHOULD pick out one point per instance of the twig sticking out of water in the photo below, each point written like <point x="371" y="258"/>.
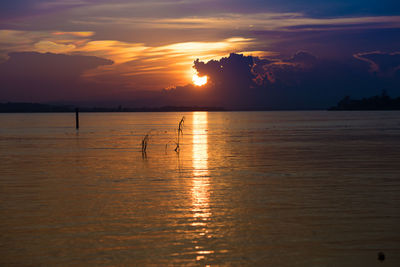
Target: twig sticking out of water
<point x="180" y="126"/>
<point x="381" y="256"/>
<point x="145" y="141"/>
<point x="180" y="132"/>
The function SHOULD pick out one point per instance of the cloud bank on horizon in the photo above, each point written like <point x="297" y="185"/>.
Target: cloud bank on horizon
<point x="111" y="51"/>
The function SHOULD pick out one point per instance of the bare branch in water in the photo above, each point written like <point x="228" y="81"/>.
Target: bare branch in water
<point x="180" y="132"/>
<point x="145" y="141"/>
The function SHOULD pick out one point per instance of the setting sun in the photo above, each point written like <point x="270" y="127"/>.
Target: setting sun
<point x="199" y="81"/>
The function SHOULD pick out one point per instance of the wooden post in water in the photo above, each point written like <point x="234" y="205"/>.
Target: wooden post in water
<point x="77" y="118"/>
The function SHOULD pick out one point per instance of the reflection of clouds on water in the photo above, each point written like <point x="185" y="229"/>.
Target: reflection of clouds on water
<point x="200" y="187"/>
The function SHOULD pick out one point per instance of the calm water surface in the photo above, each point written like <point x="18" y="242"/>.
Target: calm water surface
<point x="246" y="189"/>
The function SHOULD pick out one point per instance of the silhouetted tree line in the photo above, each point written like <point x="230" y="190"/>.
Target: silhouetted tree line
<point x="378" y="102"/>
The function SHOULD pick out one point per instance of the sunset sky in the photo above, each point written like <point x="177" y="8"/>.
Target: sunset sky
<point x="128" y="51"/>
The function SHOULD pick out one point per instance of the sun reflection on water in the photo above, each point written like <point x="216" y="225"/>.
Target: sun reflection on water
<point x="200" y="186"/>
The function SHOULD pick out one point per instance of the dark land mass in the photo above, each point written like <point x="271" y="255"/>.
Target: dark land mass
<point x="378" y="102"/>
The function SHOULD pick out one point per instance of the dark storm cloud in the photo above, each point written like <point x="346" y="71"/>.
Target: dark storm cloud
<point x="30" y="76"/>
<point x="238" y="71"/>
<point x="234" y="71"/>
<point x="300" y="81"/>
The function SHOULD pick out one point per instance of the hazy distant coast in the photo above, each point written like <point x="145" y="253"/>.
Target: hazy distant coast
<point x="378" y="102"/>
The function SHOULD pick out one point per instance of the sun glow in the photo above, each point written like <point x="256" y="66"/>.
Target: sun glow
<point x="199" y="81"/>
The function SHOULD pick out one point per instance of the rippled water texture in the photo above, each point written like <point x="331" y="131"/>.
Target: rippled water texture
<point x="247" y="188"/>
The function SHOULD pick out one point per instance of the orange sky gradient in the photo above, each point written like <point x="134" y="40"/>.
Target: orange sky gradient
<point x="136" y="63"/>
<point x="148" y="46"/>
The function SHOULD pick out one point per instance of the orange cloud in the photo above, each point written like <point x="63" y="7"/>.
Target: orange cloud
<point x="77" y="34"/>
<point x="135" y="64"/>
<point x="52" y="47"/>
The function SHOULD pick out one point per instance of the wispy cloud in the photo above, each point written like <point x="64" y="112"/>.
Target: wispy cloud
<point x="171" y="62"/>
<point x="52" y="47"/>
<point x="77" y="34"/>
<point x="260" y="21"/>
<point x="60" y="4"/>
<point x="380" y="62"/>
<point x="40" y="41"/>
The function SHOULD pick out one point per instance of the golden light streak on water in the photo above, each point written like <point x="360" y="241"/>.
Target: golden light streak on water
<point x="200" y="145"/>
<point x="200" y="187"/>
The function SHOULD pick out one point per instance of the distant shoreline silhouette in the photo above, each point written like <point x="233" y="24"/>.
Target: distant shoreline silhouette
<point x="378" y="102"/>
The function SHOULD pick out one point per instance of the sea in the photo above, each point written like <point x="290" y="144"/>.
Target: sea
<point x="272" y="188"/>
